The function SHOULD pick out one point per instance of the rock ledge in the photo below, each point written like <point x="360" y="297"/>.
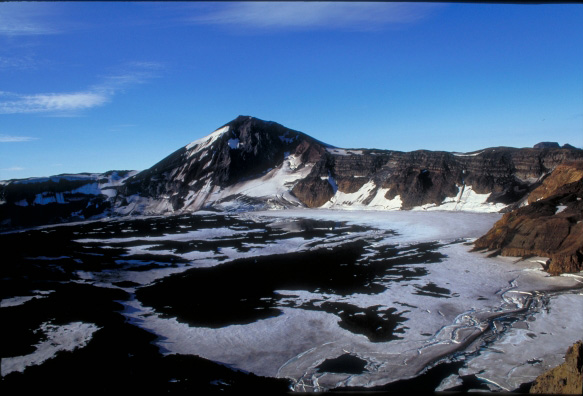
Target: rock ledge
<point x="566" y="378"/>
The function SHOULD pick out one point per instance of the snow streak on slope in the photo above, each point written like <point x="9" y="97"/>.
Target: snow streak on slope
<point x="276" y="183"/>
<point x="371" y="197"/>
<point x="205" y="142"/>
<point x="358" y="200"/>
<point x="466" y="200"/>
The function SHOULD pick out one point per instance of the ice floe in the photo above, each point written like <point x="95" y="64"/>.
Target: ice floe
<point x="458" y="308"/>
<point x="434" y="300"/>
<point x="58" y="338"/>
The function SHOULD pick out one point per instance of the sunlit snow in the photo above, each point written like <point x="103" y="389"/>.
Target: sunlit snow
<point x="207" y="141"/>
<point x="294" y="343"/>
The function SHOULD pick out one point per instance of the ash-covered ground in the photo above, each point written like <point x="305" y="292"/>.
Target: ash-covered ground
<point x="297" y="299"/>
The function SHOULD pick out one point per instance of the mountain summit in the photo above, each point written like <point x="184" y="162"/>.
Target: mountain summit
<point x="250" y="164"/>
<point x="246" y="157"/>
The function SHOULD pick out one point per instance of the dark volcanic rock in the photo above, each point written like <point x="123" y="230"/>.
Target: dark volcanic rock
<point x="252" y="147"/>
<point x="565" y="379"/>
<point x="248" y="154"/>
<point x="551" y="226"/>
<point x="350" y="184"/>
<point x="422" y="177"/>
<point x="55" y="199"/>
<point x="247" y="149"/>
<point x="313" y="191"/>
<point x="547" y="145"/>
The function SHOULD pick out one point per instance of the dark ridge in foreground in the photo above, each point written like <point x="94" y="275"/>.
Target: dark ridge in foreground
<point x="121" y="357"/>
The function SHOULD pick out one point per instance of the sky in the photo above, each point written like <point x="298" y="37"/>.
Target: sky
<point x="92" y="86"/>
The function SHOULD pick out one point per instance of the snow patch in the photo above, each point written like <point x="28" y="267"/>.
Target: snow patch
<point x="380" y="202"/>
<point x="115" y="179"/>
<point x="58" y="338"/>
<point x="356" y="200"/>
<point x="88" y="189"/>
<point x="20" y="300"/>
<point x="201" y="144"/>
<point x="46" y="198"/>
<point x="467" y="200"/>
<point x="468" y="154"/>
<point x="275" y="183"/>
<point x="143" y="205"/>
<point x="233" y="143"/>
<point x="332" y="182"/>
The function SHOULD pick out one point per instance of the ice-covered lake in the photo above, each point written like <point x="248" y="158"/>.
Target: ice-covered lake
<point x="322" y="298"/>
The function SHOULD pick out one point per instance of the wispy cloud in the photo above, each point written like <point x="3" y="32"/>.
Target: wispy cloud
<point x="70" y="103"/>
<point x="312" y="15"/>
<point x="12" y="139"/>
<point x="13" y="169"/>
<point x="20" y="63"/>
<point x="52" y="102"/>
<point x="132" y="73"/>
<point x="25" y="19"/>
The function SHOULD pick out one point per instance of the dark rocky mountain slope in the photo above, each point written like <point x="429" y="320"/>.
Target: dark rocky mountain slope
<point x="55" y="199"/>
<point x="244" y="149"/>
<point x="250" y="164"/>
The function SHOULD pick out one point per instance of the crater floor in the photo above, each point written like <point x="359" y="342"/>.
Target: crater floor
<point x="320" y="299"/>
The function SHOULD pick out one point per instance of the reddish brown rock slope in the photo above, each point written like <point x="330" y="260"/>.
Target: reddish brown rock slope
<point x="565" y="379"/>
<point x="551" y="226"/>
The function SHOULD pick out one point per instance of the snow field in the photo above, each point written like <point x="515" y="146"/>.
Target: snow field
<point x="58" y="338"/>
<point x="293" y="344"/>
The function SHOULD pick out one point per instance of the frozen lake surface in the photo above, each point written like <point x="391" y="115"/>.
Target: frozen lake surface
<point x="321" y="298"/>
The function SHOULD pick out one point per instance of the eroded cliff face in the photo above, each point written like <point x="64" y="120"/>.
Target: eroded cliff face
<point x="565" y="379"/>
<point x="568" y="172"/>
<point x="550" y="226"/>
<point x="250" y="164"/>
<point x="423" y="177"/>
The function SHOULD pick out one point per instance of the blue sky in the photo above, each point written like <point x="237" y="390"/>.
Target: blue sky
<point x="91" y="87"/>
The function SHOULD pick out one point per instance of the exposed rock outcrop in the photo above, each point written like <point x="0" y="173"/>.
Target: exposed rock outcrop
<point x="547" y="145"/>
<point x="61" y="198"/>
<point x="568" y="172"/>
<point x="252" y="164"/>
<point x="565" y="379"/>
<point x="550" y="226"/>
<point x="313" y="191"/>
<point x="429" y="177"/>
